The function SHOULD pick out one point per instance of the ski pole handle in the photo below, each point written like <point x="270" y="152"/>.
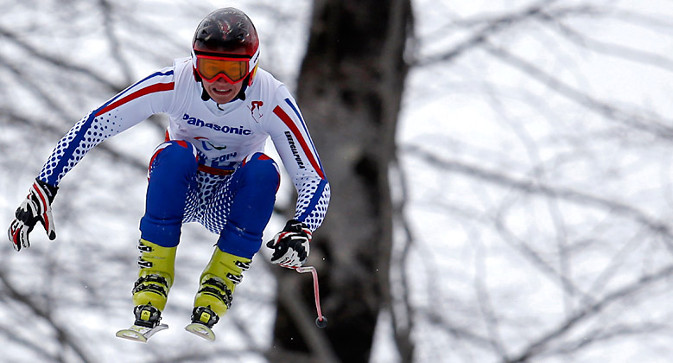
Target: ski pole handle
<point x="321" y="320"/>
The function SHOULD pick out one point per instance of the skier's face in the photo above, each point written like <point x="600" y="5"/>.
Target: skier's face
<point x="222" y="91"/>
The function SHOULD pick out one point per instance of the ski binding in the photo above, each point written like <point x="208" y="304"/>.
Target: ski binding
<point x="138" y="333"/>
<point x="201" y="330"/>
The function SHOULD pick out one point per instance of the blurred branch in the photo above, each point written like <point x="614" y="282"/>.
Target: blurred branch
<point x="611" y="49"/>
<point x="558" y="275"/>
<point x="107" y="11"/>
<point x="15" y="337"/>
<point x="536" y="187"/>
<point x="59" y="63"/>
<point x="636" y="121"/>
<point x="401" y="308"/>
<point x="64" y="337"/>
<point x="480" y="37"/>
<point x="441" y="320"/>
<point x="589" y="311"/>
<point x="604" y="333"/>
<point x="191" y="356"/>
<point x="115" y="154"/>
<point x="318" y="344"/>
<point x="32" y="87"/>
<point x="486" y="307"/>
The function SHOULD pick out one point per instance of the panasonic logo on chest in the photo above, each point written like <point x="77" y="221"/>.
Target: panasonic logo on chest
<point x="224" y="129"/>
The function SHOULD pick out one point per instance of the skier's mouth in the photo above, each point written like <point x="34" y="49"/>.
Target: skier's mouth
<point x="221" y="91"/>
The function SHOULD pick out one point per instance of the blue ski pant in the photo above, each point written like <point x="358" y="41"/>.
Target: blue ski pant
<point x="236" y="206"/>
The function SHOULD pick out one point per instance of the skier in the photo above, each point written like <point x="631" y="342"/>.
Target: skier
<point x="211" y="169"/>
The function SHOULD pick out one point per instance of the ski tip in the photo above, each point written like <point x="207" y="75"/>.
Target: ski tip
<point x="201" y="330"/>
<point x="138" y="333"/>
<point x="132" y="335"/>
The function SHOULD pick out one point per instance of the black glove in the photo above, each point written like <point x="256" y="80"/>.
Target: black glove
<point x="36" y="207"/>
<point x="291" y="245"/>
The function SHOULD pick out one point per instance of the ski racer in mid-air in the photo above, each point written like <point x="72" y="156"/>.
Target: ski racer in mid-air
<point x="211" y="169"/>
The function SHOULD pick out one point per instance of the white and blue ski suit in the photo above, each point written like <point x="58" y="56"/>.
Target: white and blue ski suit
<point x="212" y="168"/>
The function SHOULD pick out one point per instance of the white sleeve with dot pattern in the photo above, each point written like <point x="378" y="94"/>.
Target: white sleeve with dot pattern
<point x="291" y="138"/>
<point x="148" y="96"/>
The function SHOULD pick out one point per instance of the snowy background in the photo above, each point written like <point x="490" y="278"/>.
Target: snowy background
<point x="535" y="147"/>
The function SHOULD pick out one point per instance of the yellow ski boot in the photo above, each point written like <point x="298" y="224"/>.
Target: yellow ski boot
<point x="217" y="284"/>
<point x="150" y="292"/>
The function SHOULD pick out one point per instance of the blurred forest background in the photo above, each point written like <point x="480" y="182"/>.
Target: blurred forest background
<point x="529" y="184"/>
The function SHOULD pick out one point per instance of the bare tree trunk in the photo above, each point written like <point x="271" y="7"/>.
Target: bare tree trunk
<point x="350" y="89"/>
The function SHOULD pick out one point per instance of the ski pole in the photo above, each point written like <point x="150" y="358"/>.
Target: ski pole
<point x="321" y="320"/>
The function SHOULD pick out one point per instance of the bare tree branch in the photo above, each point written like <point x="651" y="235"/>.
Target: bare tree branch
<point x="534" y="187"/>
<point x="318" y="344"/>
<point x="63" y="335"/>
<point x="628" y="291"/>
<point x="59" y="63"/>
<point x="636" y="121"/>
<point x="480" y="37"/>
<point x="401" y="309"/>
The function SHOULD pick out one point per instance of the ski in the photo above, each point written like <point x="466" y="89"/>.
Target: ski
<point x="201" y="330"/>
<point x="138" y="333"/>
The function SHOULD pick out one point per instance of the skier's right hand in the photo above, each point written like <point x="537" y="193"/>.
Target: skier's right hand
<point x="35" y="208"/>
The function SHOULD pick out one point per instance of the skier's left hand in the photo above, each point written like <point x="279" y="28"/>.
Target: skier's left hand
<point x="291" y="245"/>
<point x="35" y="208"/>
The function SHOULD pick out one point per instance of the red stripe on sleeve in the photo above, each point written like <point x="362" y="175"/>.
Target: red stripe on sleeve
<point x="297" y="134"/>
<point x="159" y="87"/>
